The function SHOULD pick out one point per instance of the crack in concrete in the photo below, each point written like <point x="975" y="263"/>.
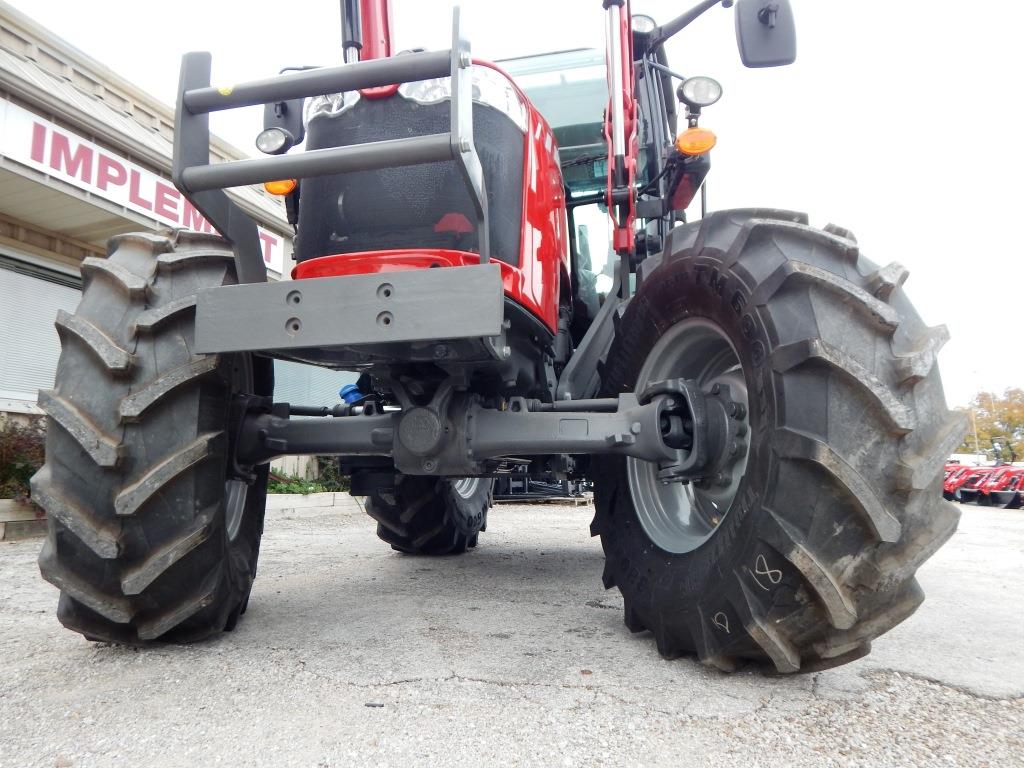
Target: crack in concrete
<point x="453" y="677"/>
<point x="921" y="678"/>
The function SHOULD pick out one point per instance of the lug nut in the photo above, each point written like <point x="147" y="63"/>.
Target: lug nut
<point x="736" y="410"/>
<point x="716" y="388"/>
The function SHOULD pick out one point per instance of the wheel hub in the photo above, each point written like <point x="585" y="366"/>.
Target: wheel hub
<point x="706" y="429"/>
<point x="695" y="371"/>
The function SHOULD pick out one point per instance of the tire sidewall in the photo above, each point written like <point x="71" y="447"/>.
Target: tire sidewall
<point x="243" y="551"/>
<point x="689" y="285"/>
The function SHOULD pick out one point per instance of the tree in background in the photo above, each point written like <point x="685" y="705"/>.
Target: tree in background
<point x="999" y="419"/>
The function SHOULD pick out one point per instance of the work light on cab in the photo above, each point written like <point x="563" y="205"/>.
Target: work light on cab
<point x="274" y="141"/>
<point x="699" y="92"/>
<point x="643" y="24"/>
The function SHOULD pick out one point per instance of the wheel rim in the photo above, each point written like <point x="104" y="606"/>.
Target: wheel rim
<point x="679" y="518"/>
<point x="466" y="487"/>
<point x="236" y="492"/>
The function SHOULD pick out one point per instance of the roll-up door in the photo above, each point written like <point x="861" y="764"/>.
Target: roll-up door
<point x="30" y="298"/>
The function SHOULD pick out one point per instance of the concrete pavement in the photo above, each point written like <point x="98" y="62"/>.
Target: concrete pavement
<point x="351" y="654"/>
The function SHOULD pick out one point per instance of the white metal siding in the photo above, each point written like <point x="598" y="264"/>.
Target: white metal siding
<point x="308" y="384"/>
<point x="29" y="346"/>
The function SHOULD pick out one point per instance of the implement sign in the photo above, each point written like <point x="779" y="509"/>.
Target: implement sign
<point x="57" y="152"/>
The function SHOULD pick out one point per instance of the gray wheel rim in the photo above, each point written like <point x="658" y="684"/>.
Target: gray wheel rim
<point x="466" y="487"/>
<point x="679" y="518"/>
<point x="236" y="492"/>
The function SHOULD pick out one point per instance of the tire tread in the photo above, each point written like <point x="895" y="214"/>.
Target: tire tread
<point x="839" y="593"/>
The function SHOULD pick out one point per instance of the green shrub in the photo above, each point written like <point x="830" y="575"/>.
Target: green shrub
<point x="330" y="477"/>
<point x="330" y="480"/>
<point x="21" y="455"/>
<point x="288" y="484"/>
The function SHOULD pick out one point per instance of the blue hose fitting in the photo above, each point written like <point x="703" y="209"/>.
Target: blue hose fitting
<point x="350" y="394"/>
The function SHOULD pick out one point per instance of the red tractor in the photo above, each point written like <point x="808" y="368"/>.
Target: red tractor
<point x="756" y="402"/>
<point x="1002" y="488"/>
<point x="955" y="478"/>
<point x="969" y="486"/>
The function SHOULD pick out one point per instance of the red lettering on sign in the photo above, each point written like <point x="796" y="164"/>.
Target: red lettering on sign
<point x="77" y="164"/>
<point x="269" y="241"/>
<point x="38" y="141"/>
<point x="109" y="171"/>
<point x="192" y="219"/>
<point x="165" y="202"/>
<point x="133" y="192"/>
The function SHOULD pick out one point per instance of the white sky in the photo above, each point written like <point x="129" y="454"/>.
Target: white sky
<point x="900" y="120"/>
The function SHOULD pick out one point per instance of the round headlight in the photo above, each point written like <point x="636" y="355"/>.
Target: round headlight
<point x="643" y="24"/>
<point x="274" y="141"/>
<point x="699" y="91"/>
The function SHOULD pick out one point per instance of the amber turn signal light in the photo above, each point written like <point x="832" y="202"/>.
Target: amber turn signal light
<point x="282" y="187"/>
<point x="695" y="141"/>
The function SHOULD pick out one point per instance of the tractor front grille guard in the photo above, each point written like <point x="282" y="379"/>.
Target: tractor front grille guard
<point x="203" y="184"/>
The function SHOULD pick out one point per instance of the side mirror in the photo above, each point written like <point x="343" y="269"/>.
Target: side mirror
<point x="765" y="33"/>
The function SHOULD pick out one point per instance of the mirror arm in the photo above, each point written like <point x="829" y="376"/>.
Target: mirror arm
<point x="768" y="14"/>
<point x="665" y="31"/>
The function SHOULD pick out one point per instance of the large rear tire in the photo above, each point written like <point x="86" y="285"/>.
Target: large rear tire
<point x="148" y="537"/>
<point x="811" y="552"/>
<point x="430" y="515"/>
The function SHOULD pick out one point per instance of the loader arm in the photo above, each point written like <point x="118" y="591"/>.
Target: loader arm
<point x="620" y="131"/>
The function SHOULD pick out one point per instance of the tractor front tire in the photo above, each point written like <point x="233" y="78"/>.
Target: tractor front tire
<point x="422" y="515"/>
<point x="808" y="550"/>
<point x="149" y="539"/>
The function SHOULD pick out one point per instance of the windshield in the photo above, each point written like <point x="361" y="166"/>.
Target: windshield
<point x="570" y="90"/>
<point x="568" y="87"/>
